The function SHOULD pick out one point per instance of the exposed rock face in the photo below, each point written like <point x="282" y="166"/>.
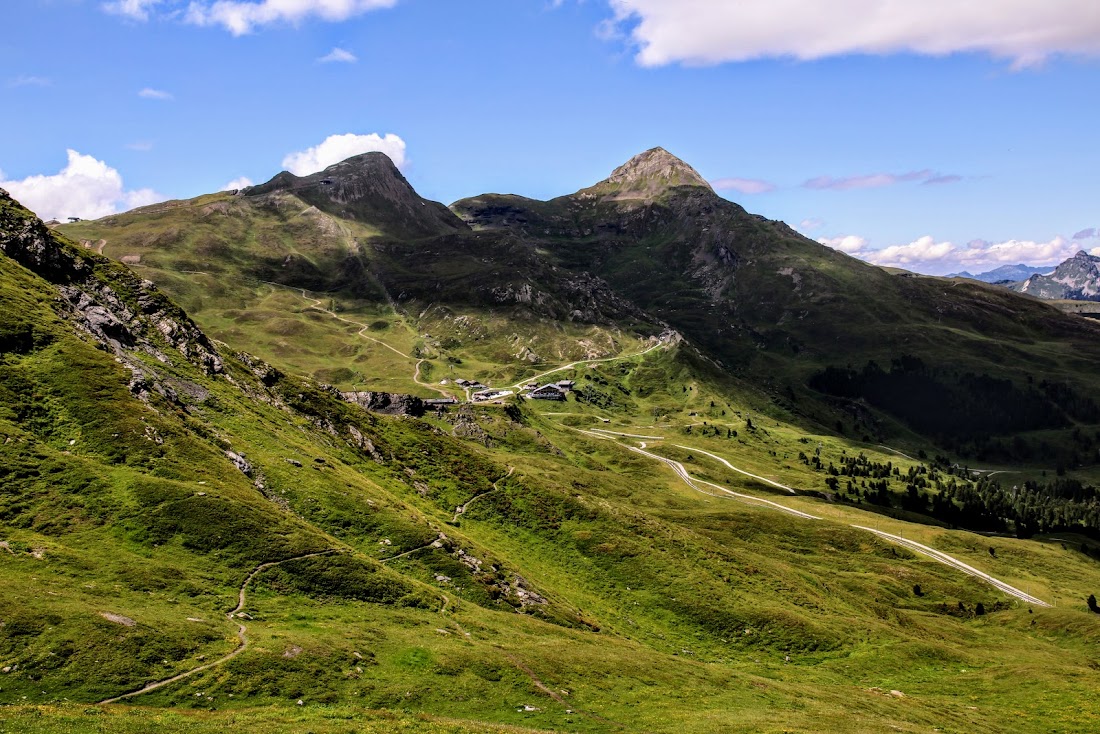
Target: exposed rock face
<point x="129" y="313"/>
<point x="647" y="175"/>
<point x="240" y="462"/>
<point x="387" y="403"/>
<point x="366" y="188"/>
<point x="1076" y="279"/>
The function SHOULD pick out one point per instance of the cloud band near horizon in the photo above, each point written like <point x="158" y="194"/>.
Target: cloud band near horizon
<point x="927" y="255"/>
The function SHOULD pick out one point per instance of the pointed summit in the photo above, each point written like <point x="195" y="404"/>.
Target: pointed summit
<point x="647" y="176"/>
<point x="367" y="188"/>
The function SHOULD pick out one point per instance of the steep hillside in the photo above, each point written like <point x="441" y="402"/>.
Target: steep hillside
<point x="777" y="309"/>
<point x="367" y="188"/>
<point x="519" y="564"/>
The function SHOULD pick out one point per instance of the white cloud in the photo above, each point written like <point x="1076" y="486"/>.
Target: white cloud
<point x="927" y="255"/>
<point x="238" y="183"/>
<point x="850" y="244"/>
<point x="243" y="16"/>
<point x="808" y="225"/>
<point x="981" y="254"/>
<point x="336" y="148"/>
<point x="135" y="9"/>
<point x="338" y="55"/>
<point x="743" y="185"/>
<point x="30" y="81"/>
<point x="141" y="146"/>
<point x="85" y="188"/>
<point x="923" y="251"/>
<point x="716" y="31"/>
<point x="150" y="93"/>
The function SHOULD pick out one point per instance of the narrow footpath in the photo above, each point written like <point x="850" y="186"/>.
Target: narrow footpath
<point x="242" y="633"/>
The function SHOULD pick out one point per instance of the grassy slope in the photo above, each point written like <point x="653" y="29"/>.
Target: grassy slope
<point x="696" y="601"/>
<point x="775" y="308"/>
<point x="222" y="258"/>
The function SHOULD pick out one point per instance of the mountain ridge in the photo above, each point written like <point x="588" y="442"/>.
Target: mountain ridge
<point x="1076" y="279"/>
<point x="134" y="518"/>
<point x="1013" y="273"/>
<point x="368" y="187"/>
<point x="769" y="308"/>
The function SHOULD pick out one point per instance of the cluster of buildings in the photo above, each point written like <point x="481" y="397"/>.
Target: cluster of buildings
<point x="481" y="393"/>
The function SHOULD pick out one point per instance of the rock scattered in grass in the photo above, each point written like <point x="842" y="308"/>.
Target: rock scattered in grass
<point x="118" y="619"/>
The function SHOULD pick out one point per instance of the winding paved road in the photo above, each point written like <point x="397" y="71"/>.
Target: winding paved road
<point x="694" y="483"/>
<point x="571" y="365"/>
<point x="734" y="468"/>
<point x="957" y="564"/>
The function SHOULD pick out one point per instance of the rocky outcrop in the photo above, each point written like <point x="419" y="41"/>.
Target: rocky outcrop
<point x="387" y="403"/>
<point x="646" y="176"/>
<point x="106" y="300"/>
<point x="366" y="188"/>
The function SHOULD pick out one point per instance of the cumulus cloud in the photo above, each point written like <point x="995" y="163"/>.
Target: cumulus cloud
<point x="243" y="16"/>
<point x="716" y="31"/>
<point x="879" y="180"/>
<point x="927" y="255"/>
<point x="924" y="251"/>
<point x="982" y="254"/>
<point x="238" y="183"/>
<point x="150" y="93"/>
<point x="336" y="148"/>
<point x="338" y="55"/>
<point x="850" y="244"/>
<point x="808" y="225"/>
<point x="743" y="185"/>
<point x="85" y="188"/>
<point x="134" y="9"/>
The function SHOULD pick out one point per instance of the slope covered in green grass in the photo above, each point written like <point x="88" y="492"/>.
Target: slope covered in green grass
<point x="587" y="588"/>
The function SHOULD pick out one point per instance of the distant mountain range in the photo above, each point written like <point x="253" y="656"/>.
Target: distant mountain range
<point x="1076" y="279"/>
<point x="1013" y="273"/>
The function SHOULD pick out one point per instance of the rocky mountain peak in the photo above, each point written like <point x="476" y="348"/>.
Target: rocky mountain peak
<point x="1077" y="278"/>
<point x="648" y="175"/>
<point x="368" y="188"/>
<point x="657" y="164"/>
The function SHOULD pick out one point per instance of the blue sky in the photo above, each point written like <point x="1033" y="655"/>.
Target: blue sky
<point x="940" y="140"/>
